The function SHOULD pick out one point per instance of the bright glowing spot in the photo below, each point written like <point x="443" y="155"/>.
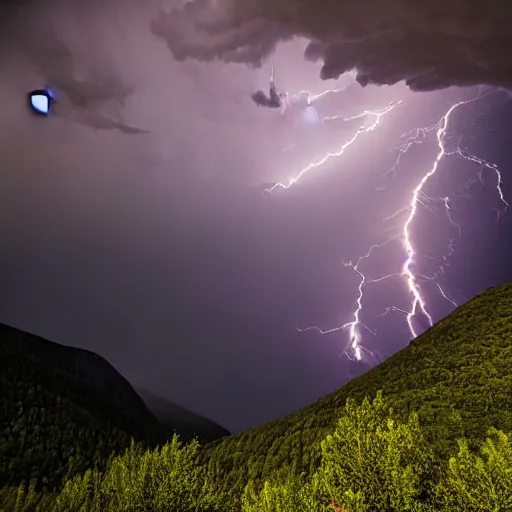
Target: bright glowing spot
<point x="310" y="117"/>
<point x="40" y="103"/>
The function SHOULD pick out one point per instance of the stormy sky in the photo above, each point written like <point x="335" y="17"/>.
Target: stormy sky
<point x="158" y="249"/>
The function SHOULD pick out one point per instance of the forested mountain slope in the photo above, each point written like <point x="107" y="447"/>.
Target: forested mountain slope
<point x="457" y="375"/>
<point x="63" y="409"/>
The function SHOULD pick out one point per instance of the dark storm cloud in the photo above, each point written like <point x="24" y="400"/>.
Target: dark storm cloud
<point x="430" y="44"/>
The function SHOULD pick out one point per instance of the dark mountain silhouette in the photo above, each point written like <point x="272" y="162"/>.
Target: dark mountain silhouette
<point x="64" y="409"/>
<point x="181" y="420"/>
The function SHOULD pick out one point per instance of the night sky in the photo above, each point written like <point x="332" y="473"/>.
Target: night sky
<point x="160" y="250"/>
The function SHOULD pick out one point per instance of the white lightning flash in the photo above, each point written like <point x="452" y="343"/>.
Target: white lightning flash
<point x="310" y="97"/>
<point x="372" y="120"/>
<point x="418" y="306"/>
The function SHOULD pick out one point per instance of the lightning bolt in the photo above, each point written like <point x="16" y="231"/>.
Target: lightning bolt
<point x="311" y="98"/>
<point x="418" y="304"/>
<point x="372" y="121"/>
<point x="354" y="326"/>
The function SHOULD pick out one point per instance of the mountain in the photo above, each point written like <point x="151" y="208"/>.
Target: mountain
<point x="65" y="409"/>
<point x="178" y="419"/>
<point x="457" y="375"/>
<point x="58" y="402"/>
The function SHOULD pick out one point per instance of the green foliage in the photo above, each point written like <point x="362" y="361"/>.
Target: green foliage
<point x="25" y="498"/>
<point x="166" y="479"/>
<point x="63" y="410"/>
<point x="21" y="499"/>
<point x="295" y="494"/>
<point x="479" y="483"/>
<point x="370" y="462"/>
<point x="374" y="462"/>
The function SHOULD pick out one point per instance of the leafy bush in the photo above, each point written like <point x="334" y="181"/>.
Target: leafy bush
<point x="482" y="483"/>
<point x="295" y="494"/>
<point x="374" y="462"/>
<point x="160" y="480"/>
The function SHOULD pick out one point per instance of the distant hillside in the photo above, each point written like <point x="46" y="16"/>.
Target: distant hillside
<point x="63" y="409"/>
<point x="457" y="375"/>
<point x="178" y="419"/>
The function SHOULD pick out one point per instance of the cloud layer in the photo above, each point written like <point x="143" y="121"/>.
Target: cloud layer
<point x="429" y="45"/>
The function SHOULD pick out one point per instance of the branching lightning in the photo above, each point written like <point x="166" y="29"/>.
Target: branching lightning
<point x="314" y="97"/>
<point x="372" y="121"/>
<point x="413" y="280"/>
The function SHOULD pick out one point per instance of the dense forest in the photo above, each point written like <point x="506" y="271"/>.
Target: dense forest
<point x="374" y="460"/>
<point x="437" y="441"/>
<point x="63" y="410"/>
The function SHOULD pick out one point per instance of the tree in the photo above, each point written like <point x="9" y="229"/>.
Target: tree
<point x="161" y="480"/>
<point x="25" y="498"/>
<point x="479" y="483"/>
<point x="374" y="462"/>
<point x="295" y="494"/>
